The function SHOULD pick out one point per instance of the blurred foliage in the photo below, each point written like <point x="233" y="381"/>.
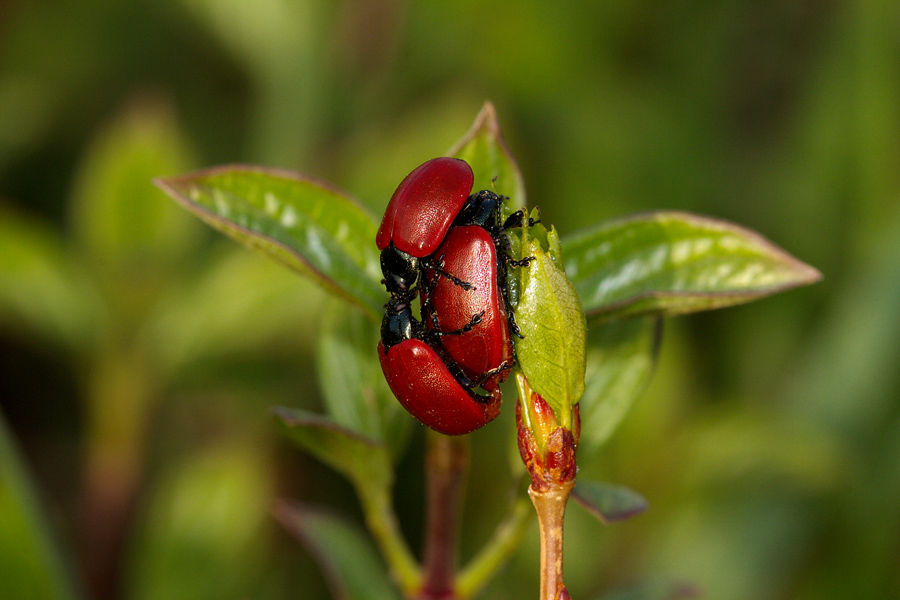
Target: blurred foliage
<point x="768" y="439"/>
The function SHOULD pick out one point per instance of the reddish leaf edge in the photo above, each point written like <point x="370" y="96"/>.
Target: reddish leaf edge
<point x="295" y="417"/>
<point x="618" y="517"/>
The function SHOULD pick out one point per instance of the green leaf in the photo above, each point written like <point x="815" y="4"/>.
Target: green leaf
<point x="656" y="590"/>
<point x="202" y="531"/>
<point x="747" y="447"/>
<point x="484" y="148"/>
<point x="239" y="303"/>
<point x="607" y="502"/>
<point x="670" y="263"/>
<point x="621" y="356"/>
<point x="43" y="289"/>
<point x="310" y="227"/>
<point x="552" y="350"/>
<point x="343" y="551"/>
<point x="30" y="565"/>
<point x="362" y="460"/>
<point x="120" y="221"/>
<point x="353" y="387"/>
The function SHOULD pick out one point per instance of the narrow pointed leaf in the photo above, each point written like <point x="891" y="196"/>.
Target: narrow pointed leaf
<point x="30" y="566"/>
<point x="484" y="148"/>
<point x="353" y="387"/>
<point x="303" y="223"/>
<point x="344" y="553"/>
<point x="621" y="356"/>
<point x="670" y="263"/>
<point x="608" y="502"/>
<point x="360" y="459"/>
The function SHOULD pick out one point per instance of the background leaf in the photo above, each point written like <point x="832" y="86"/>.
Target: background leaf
<point x="656" y="590"/>
<point x="30" y="566"/>
<point x="44" y="291"/>
<point x="673" y="263"/>
<point x="300" y="222"/>
<point x="342" y="550"/>
<point x="201" y="533"/>
<point x="621" y="356"/>
<point x="120" y="223"/>
<point x="240" y="303"/>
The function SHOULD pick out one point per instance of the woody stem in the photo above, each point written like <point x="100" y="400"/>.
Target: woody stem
<point x="550" y="506"/>
<point x="446" y="465"/>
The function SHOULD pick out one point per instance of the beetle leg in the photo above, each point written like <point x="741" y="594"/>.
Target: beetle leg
<point x="519" y="263"/>
<point x="513" y="326"/>
<point x="506" y="365"/>
<point x="475" y="320"/>
<point x="438" y="268"/>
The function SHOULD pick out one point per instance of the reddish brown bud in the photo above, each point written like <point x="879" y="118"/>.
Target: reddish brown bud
<point x="547" y="449"/>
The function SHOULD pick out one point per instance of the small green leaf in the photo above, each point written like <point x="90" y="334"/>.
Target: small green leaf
<point x="484" y="148"/>
<point x="344" y="553"/>
<point x="300" y="222"/>
<point x="621" y="355"/>
<point x="355" y="392"/>
<point x="670" y="263"/>
<point x="549" y="315"/>
<point x="607" y="502"/>
<point x="362" y="460"/>
<point x="30" y="566"/>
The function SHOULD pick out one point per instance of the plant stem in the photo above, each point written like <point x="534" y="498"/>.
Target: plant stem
<point x="120" y="392"/>
<point x="446" y="466"/>
<point x="505" y="541"/>
<point x="550" y="506"/>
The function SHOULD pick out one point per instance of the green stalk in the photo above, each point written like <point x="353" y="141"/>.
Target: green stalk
<point x="382" y="522"/>
<point x="506" y="540"/>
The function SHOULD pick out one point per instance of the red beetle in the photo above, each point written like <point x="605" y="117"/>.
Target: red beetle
<point x="428" y="383"/>
<point x="432" y="225"/>
<point x="424" y="206"/>
<point x="426" y="388"/>
<point x="480" y="346"/>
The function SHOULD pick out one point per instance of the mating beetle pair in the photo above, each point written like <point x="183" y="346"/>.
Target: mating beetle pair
<point x="451" y="250"/>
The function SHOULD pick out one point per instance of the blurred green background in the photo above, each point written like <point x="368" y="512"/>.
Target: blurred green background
<point x="140" y="352"/>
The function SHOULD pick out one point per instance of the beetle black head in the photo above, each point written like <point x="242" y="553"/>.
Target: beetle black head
<point x="482" y="208"/>
<point x="399" y="268"/>
<point x="398" y="323"/>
